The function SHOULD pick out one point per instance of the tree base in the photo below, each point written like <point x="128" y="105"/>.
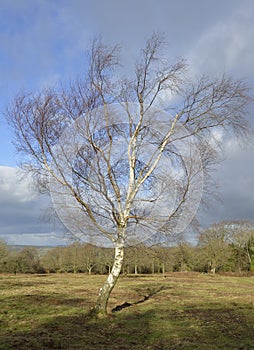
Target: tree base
<point x="97" y="313"/>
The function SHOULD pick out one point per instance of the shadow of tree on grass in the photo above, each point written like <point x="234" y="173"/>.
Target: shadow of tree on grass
<point x="151" y="292"/>
<point x="79" y="332"/>
<point x="187" y="329"/>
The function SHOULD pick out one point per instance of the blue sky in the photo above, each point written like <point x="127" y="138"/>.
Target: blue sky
<point x="44" y="41"/>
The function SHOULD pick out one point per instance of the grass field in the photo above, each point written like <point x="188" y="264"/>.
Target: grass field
<point x="181" y="311"/>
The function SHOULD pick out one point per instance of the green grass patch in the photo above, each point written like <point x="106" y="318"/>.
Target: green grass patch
<point x="181" y="311"/>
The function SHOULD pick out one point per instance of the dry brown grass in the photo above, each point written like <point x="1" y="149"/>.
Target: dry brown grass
<point x="181" y="311"/>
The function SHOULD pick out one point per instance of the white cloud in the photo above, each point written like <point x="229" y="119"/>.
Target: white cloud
<point x="13" y="186"/>
<point x="35" y="239"/>
<point x="226" y="46"/>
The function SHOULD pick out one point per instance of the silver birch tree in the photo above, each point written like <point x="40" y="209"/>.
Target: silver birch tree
<point x="126" y="158"/>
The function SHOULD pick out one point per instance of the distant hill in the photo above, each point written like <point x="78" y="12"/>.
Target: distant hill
<point x="42" y="249"/>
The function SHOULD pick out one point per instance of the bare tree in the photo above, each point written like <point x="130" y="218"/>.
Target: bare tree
<point x="240" y="236"/>
<point x="119" y="168"/>
<point x="214" y="244"/>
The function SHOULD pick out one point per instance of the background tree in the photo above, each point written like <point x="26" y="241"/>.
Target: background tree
<point x="135" y="257"/>
<point x="184" y="257"/>
<point x="28" y="260"/>
<point x="166" y="258"/>
<point x="250" y="249"/>
<point x="215" y="244"/>
<point x="240" y="237"/>
<point x="3" y="256"/>
<point x="105" y="260"/>
<point x="52" y="260"/>
<point x="130" y="172"/>
<point x="90" y="257"/>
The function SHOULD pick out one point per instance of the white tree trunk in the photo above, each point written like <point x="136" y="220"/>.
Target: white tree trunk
<point x="100" y="308"/>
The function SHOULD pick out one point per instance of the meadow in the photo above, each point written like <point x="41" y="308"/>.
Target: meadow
<point x="180" y="311"/>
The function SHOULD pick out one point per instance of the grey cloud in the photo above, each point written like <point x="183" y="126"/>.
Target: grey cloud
<point x="235" y="185"/>
<point x="21" y="209"/>
<point x="226" y="46"/>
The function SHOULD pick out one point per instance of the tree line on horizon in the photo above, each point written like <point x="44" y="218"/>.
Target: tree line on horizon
<point x="224" y="247"/>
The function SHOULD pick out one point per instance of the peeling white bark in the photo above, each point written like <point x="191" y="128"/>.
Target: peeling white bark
<point x="102" y="301"/>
